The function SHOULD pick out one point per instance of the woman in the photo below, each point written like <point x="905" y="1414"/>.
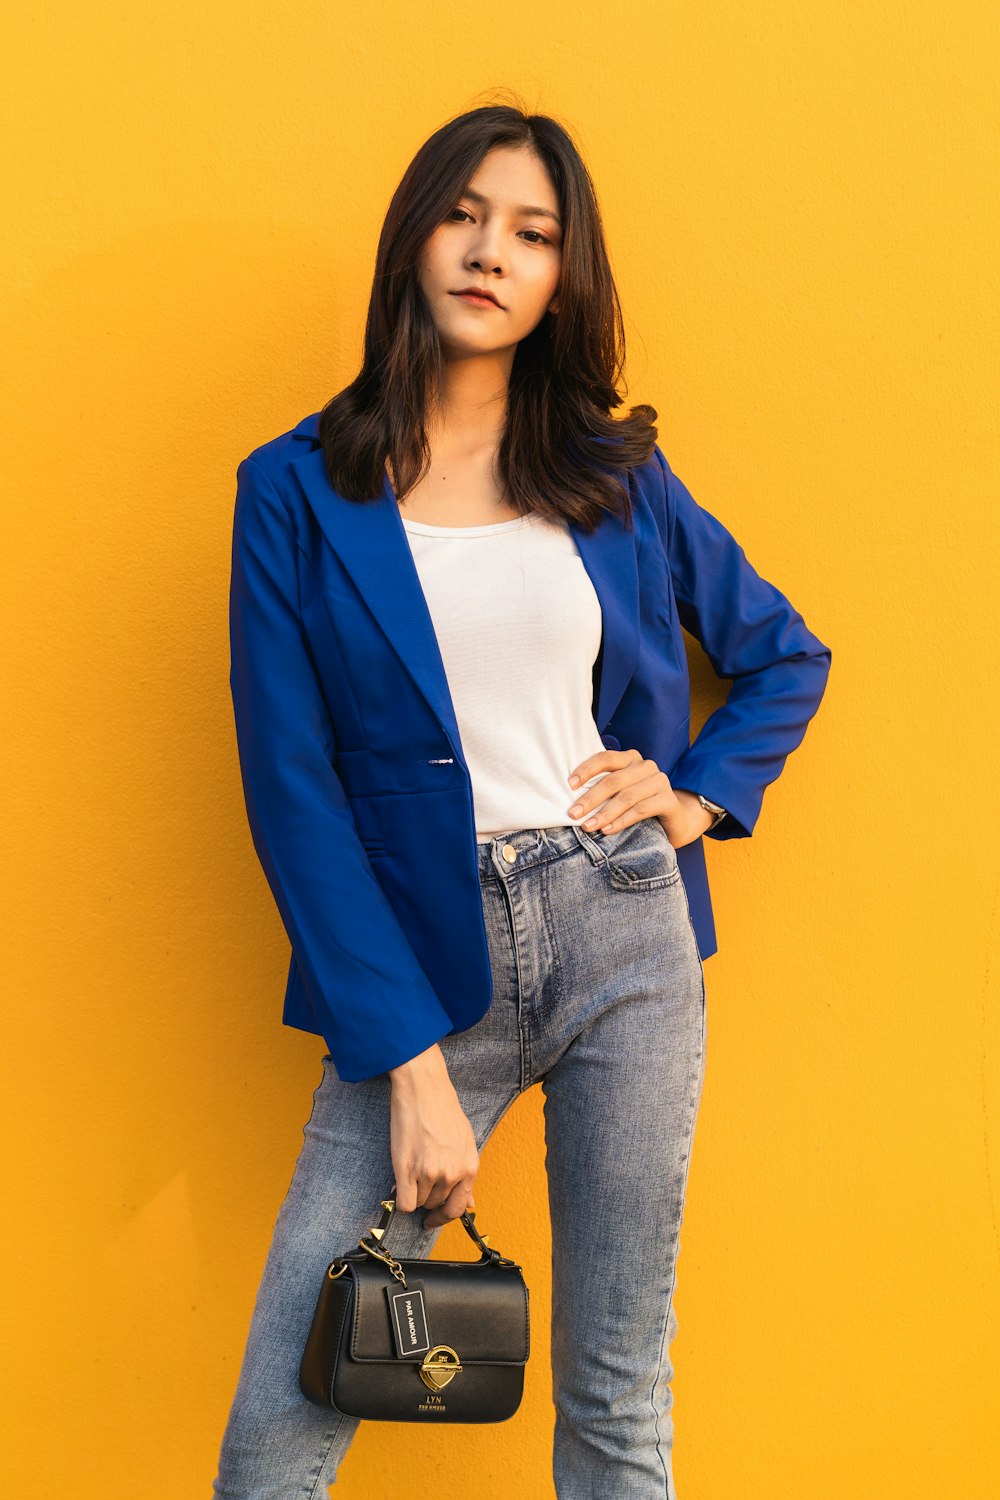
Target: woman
<point x="462" y="710"/>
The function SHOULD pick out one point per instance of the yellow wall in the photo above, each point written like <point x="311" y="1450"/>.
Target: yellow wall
<point x="800" y="205"/>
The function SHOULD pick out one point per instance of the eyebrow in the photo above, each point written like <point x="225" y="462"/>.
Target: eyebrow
<point x="522" y="208"/>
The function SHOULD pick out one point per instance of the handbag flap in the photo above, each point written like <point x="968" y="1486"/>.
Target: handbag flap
<point x="480" y="1310"/>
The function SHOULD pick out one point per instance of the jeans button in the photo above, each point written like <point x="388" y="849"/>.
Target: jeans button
<point x="509" y="853"/>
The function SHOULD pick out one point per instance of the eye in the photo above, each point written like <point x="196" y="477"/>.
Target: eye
<point x="540" y="239"/>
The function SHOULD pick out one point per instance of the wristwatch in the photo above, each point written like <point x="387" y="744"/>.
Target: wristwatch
<point x="712" y="807"/>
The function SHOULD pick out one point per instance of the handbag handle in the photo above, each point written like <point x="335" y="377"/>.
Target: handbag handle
<point x="388" y="1206"/>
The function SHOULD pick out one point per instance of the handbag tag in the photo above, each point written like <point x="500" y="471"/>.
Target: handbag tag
<point x="408" y="1316"/>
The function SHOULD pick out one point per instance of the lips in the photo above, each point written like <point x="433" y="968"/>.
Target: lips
<point x="474" y="296"/>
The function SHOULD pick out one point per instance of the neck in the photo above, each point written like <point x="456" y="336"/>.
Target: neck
<point x="472" y="404"/>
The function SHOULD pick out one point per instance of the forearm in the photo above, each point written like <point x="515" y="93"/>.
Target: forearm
<point x="418" y="1073"/>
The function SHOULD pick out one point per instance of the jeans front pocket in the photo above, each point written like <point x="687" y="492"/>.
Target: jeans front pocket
<point x="639" y="857"/>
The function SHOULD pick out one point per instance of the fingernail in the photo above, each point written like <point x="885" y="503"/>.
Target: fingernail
<point x="573" y="780"/>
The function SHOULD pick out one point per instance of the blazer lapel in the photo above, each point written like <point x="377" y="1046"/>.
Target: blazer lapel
<point x="610" y="558"/>
<point x="371" y="543"/>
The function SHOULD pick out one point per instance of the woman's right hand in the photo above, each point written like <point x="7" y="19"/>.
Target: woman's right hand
<point x="434" y="1155"/>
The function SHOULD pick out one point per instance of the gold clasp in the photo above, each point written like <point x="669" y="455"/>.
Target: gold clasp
<point x="387" y="1260"/>
<point x="439" y="1367"/>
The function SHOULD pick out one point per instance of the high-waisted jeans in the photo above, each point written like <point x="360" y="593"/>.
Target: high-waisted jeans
<point x="599" y="997"/>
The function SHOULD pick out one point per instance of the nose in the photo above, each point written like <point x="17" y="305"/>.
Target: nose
<point x="485" y="255"/>
<point x="483" y="265"/>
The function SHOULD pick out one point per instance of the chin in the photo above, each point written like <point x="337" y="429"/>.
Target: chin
<point x="452" y="345"/>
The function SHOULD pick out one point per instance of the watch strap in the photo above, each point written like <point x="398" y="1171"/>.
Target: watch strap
<point x="712" y="807"/>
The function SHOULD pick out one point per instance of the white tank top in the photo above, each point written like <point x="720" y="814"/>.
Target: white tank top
<point x="518" y="623"/>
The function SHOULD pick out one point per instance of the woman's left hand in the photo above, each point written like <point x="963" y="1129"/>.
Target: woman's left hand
<point x="635" y="788"/>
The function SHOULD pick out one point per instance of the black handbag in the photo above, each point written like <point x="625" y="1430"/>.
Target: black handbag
<point x="418" y="1340"/>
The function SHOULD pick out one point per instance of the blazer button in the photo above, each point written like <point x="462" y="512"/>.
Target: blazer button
<point x="610" y="743"/>
<point x="509" y="853"/>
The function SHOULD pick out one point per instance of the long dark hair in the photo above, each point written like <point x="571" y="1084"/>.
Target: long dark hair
<point x="560" y="445"/>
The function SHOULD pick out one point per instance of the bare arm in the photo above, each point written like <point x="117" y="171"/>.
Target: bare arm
<point x="434" y="1153"/>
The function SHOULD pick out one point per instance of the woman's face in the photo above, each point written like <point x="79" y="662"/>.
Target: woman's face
<point x="503" y="233"/>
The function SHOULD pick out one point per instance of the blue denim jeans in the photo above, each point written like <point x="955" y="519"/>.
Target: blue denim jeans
<point x="598" y="997"/>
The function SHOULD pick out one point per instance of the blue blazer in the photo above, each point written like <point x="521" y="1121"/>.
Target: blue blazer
<point x="357" y="790"/>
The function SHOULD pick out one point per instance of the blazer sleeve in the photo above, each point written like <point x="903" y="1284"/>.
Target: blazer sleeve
<point x="751" y="634"/>
<point x="373" y="1003"/>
